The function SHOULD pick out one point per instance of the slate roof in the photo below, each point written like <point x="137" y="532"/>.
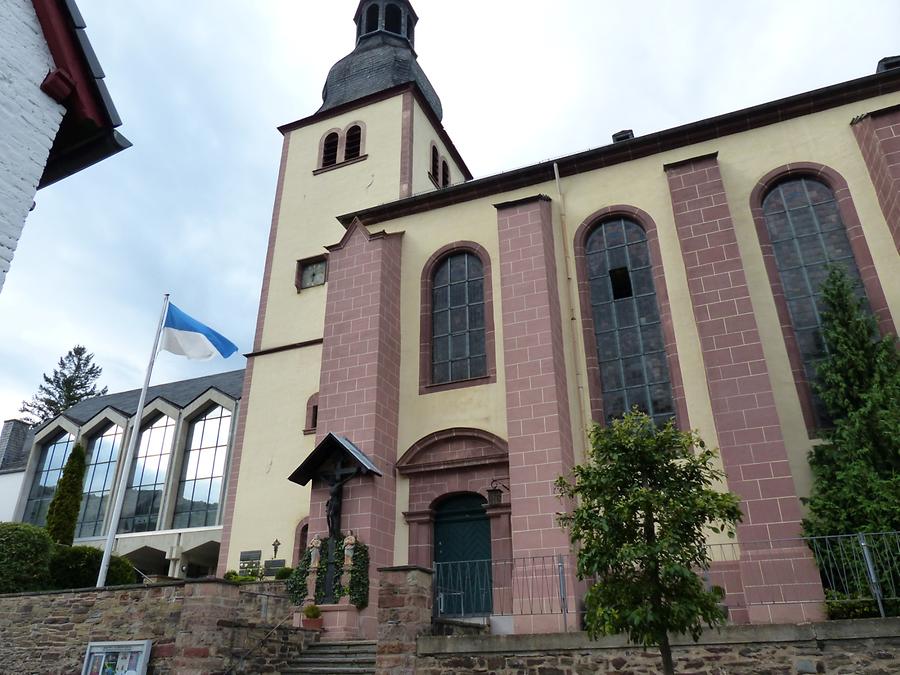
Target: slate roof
<point x="179" y="394"/>
<point x="379" y="62"/>
<point x="15" y="458"/>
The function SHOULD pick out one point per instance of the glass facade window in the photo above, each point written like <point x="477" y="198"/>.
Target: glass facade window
<point x="103" y="453"/>
<point x="203" y="470"/>
<point x="627" y="326"/>
<point x="143" y="496"/>
<point x="47" y="474"/>
<point x="457" y="319"/>
<point x="807" y="236"/>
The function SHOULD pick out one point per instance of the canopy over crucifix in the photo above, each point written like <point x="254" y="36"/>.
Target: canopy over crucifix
<point x="334" y="461"/>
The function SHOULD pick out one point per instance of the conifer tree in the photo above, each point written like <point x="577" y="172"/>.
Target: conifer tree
<point x="856" y="472"/>
<point x="63" y="511"/>
<point x="73" y="380"/>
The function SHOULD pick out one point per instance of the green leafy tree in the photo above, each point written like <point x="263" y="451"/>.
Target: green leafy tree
<point x="73" y="380"/>
<point x="62" y="513"/>
<point x="856" y="471"/>
<point x="645" y="503"/>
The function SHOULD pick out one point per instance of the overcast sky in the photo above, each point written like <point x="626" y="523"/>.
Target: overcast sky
<point x="202" y="85"/>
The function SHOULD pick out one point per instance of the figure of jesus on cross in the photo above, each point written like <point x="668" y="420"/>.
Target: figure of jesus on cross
<point x="336" y="482"/>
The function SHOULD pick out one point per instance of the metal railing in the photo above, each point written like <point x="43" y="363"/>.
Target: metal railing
<point x="860" y="574"/>
<point x="855" y="570"/>
<point x="523" y="586"/>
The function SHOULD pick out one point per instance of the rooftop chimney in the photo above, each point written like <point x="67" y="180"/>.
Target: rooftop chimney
<point x="624" y="135"/>
<point x="13" y="439"/>
<point x="888" y="63"/>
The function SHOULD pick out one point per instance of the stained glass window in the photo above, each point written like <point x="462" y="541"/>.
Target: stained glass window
<point x="807" y="236"/>
<point x="627" y="326"/>
<point x="458" y="350"/>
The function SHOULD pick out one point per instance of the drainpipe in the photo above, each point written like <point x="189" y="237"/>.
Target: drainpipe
<point x="572" y="293"/>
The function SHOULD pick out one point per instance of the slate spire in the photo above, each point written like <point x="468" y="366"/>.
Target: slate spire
<point x="384" y="56"/>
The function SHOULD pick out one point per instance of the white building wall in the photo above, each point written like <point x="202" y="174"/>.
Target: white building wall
<point x="10" y="485"/>
<point x="29" y="120"/>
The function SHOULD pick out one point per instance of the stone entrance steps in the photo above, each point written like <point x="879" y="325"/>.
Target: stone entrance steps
<point x="335" y="658"/>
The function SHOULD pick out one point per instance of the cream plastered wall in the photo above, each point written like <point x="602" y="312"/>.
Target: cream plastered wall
<point x="424" y="134"/>
<point x="640" y="183"/>
<point x="825" y="137"/>
<point x="267" y="505"/>
<point x="311" y="203"/>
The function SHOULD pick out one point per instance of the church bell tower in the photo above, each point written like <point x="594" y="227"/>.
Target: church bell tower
<point x="376" y="138"/>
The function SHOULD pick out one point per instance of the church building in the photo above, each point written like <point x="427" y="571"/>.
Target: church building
<point x="431" y="348"/>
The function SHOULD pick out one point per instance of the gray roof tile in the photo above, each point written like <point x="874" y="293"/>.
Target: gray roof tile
<point x="179" y="394"/>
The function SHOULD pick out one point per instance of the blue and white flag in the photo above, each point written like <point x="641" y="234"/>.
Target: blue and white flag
<point x="188" y="337"/>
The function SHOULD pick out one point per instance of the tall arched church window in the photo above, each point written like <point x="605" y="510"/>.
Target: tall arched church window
<point x="393" y="19"/>
<point x="445" y="174"/>
<point x="147" y="478"/>
<point x="372" y="19"/>
<point x="330" y="149"/>
<point x="353" y="143"/>
<point x="627" y="327"/>
<point x="54" y="456"/>
<point x="807" y="236"/>
<point x="102" y="456"/>
<point x="203" y="470"/>
<point x="458" y="319"/>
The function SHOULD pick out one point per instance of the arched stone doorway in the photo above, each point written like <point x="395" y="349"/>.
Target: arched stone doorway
<point x="462" y="556"/>
<point x="453" y="463"/>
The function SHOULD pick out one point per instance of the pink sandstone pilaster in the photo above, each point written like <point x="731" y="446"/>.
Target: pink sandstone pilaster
<point x="750" y="438"/>
<point x="878" y="136"/>
<point x="359" y="388"/>
<point x="537" y="406"/>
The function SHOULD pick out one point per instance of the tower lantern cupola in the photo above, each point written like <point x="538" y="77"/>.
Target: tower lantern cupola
<point x="394" y="17"/>
<point x="384" y="57"/>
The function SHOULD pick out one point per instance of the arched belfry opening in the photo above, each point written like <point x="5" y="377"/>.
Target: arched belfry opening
<point x="391" y="17"/>
<point x="373" y="17"/>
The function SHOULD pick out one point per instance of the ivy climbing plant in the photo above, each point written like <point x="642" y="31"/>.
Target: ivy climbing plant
<point x="357" y="589"/>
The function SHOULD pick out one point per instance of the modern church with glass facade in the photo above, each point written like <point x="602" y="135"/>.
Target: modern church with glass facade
<point x="171" y="520"/>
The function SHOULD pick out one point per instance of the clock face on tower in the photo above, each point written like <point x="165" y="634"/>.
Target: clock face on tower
<point x="312" y="274"/>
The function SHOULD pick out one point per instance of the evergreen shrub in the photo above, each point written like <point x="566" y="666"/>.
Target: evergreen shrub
<point x="62" y="515"/>
<point x="24" y="558"/>
<point x="78" y="567"/>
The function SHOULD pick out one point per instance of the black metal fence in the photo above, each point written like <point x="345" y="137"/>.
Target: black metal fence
<point x="526" y="586"/>
<point x="860" y="574"/>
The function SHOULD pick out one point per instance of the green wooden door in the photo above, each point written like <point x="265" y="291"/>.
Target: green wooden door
<point x="462" y="556"/>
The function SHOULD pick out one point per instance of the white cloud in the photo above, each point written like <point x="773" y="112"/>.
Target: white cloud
<point x="201" y="86"/>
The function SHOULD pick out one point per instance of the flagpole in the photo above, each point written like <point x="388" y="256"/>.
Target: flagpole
<point x="129" y="454"/>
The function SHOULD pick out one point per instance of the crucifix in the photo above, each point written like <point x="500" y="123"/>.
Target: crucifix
<point x="341" y="474"/>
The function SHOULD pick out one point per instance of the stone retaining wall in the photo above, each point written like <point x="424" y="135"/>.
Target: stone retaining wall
<point x="197" y="627"/>
<point x="870" y="646"/>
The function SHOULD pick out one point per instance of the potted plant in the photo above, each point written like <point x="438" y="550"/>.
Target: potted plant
<point x="312" y="617"/>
